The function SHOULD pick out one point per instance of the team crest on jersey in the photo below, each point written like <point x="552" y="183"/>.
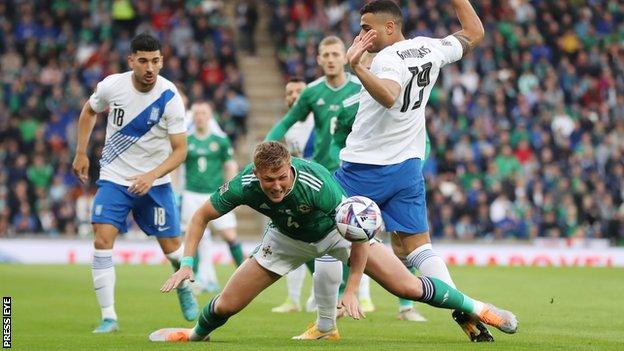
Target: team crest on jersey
<point x="214" y="146"/>
<point x="223" y="188"/>
<point x="305" y="209"/>
<point x="154" y="113"/>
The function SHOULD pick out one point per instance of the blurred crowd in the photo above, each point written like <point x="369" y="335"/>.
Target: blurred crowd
<point x="53" y="53"/>
<point x="527" y="132"/>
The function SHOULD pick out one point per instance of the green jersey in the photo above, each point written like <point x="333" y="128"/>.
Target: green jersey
<point x="344" y="124"/>
<point x="325" y="103"/>
<point x="306" y="213"/>
<point x="204" y="162"/>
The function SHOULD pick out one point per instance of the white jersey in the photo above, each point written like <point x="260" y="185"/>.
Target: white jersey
<point x="386" y="136"/>
<point x="139" y="125"/>
<point x="298" y="135"/>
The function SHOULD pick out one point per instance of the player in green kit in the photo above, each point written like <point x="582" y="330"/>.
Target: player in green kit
<point x="324" y="98"/>
<point x="208" y="163"/>
<point x="300" y="198"/>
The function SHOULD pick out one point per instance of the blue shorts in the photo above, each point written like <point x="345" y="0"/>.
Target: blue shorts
<point x="398" y="190"/>
<point x="156" y="212"/>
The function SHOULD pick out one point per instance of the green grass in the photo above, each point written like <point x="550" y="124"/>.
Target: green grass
<point x="54" y="307"/>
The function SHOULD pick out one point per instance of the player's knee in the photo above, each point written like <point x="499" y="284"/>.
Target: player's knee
<point x="102" y="243"/>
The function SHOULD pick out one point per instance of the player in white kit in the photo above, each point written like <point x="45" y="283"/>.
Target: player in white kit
<point x="384" y="152"/>
<point x="145" y="140"/>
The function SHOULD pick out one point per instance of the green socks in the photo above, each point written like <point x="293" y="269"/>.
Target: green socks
<point x="310" y="265"/>
<point x="439" y="294"/>
<point x="208" y="320"/>
<point x="237" y="252"/>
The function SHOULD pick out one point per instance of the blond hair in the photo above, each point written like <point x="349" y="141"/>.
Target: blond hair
<point x="332" y="39"/>
<point x="270" y="155"/>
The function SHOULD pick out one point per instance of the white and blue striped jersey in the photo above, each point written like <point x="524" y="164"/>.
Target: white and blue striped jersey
<point x="386" y="136"/>
<point x="139" y="125"/>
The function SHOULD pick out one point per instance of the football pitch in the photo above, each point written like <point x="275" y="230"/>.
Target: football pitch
<point x="54" y="308"/>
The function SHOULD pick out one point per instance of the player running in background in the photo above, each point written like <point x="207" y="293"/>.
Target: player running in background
<point x="145" y="140"/>
<point x="323" y="98"/>
<point x="300" y="140"/>
<point x="208" y="163"/>
<point x="384" y="152"/>
<point x="300" y="197"/>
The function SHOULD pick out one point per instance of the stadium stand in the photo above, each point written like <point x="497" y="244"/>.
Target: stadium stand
<point x="51" y="56"/>
<point x="527" y="133"/>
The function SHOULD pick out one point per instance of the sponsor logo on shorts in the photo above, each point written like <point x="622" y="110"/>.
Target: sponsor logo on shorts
<point x="162" y="229"/>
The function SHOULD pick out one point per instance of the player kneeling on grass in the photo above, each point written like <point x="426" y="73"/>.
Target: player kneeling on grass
<point x="300" y="198"/>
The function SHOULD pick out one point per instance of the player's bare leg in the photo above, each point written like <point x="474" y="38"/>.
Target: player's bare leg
<point x="249" y="280"/>
<point x="386" y="269"/>
<point x="417" y="252"/>
<point x="103" y="272"/>
<point x="173" y="250"/>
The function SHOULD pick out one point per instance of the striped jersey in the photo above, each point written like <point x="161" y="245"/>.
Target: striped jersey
<point x="139" y="125"/>
<point x="306" y="213"/>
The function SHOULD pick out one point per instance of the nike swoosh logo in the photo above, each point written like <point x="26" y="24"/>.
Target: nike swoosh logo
<point x="116" y="104"/>
<point x="162" y="229"/>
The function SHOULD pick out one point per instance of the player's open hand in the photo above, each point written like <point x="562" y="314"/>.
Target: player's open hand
<point x="351" y="305"/>
<point x="177" y="278"/>
<point x="141" y="183"/>
<point x="80" y="166"/>
<point x="360" y="45"/>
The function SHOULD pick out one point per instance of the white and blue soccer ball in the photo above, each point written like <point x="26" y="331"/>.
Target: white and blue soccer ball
<point x="358" y="219"/>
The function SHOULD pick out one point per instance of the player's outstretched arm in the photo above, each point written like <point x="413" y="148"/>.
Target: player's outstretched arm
<point x="142" y="183"/>
<point x="86" y="122"/>
<point x="298" y="112"/>
<point x="472" y="31"/>
<point x="194" y="233"/>
<point x="357" y="262"/>
<point x="384" y="91"/>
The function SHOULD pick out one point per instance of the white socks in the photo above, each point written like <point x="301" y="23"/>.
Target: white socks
<point x="430" y="264"/>
<point x="205" y="267"/>
<point x="327" y="277"/>
<point x="103" y="272"/>
<point x="364" y="289"/>
<point x="175" y="257"/>
<point x="294" y="282"/>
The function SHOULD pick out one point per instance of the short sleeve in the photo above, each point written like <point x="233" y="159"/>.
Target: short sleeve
<point x="387" y="65"/>
<point x="174" y="115"/>
<point x="99" y="99"/>
<point x="228" y="196"/>
<point x="449" y="48"/>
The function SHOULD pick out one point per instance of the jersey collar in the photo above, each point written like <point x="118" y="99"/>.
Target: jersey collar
<point x="347" y="80"/>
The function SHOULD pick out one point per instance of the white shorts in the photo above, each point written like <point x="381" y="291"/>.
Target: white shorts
<point x="280" y="254"/>
<point x="191" y="201"/>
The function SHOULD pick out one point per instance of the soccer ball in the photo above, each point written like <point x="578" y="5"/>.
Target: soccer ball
<point x="358" y="219"/>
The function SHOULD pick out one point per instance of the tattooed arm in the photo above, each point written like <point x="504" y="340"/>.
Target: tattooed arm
<point x="472" y="29"/>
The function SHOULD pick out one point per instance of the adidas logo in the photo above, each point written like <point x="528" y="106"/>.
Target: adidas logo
<point x="320" y="102"/>
<point x="265" y="206"/>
